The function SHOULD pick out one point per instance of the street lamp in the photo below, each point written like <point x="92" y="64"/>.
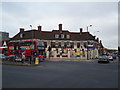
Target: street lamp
<point x="89" y="26"/>
<point x="87" y="41"/>
<point x="94" y="46"/>
<point x="31" y="27"/>
<point x="31" y="31"/>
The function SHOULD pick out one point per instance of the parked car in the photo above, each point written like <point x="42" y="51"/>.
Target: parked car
<point x="18" y="58"/>
<point x="103" y="59"/>
<point x="3" y="57"/>
<point x="110" y="57"/>
<point x="114" y="56"/>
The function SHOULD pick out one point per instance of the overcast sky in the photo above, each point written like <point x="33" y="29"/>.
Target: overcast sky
<point x="73" y="15"/>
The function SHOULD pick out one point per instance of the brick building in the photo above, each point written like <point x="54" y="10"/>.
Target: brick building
<point x="72" y="44"/>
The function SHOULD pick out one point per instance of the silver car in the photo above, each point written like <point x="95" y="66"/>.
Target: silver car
<point x="2" y="57"/>
<point x="103" y="59"/>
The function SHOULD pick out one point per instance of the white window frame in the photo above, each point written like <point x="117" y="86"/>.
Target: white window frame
<point x="62" y="36"/>
<point x="56" y="35"/>
<point x="68" y="36"/>
<point x="21" y="35"/>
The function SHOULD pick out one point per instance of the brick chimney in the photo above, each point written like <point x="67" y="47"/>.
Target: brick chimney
<point x="60" y="27"/>
<point x="81" y="30"/>
<point x="97" y="40"/>
<point x="21" y="29"/>
<point x="39" y="28"/>
<point x="94" y="37"/>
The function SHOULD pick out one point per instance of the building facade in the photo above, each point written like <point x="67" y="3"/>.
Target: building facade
<point x="65" y="44"/>
<point x="4" y="36"/>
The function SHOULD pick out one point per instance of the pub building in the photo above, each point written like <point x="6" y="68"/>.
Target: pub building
<point x="63" y="43"/>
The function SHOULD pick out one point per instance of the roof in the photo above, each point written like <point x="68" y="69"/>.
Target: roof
<point x="50" y="35"/>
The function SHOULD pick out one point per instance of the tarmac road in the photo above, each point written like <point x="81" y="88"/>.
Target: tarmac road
<point x="61" y="74"/>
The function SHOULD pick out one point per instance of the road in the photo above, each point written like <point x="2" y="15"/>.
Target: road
<point x="61" y="74"/>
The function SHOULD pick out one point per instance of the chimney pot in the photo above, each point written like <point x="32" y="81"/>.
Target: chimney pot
<point x="81" y="30"/>
<point x="60" y="27"/>
<point x="98" y="40"/>
<point x="39" y="28"/>
<point x="21" y="29"/>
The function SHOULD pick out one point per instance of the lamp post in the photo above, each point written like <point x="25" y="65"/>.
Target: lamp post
<point x="32" y="42"/>
<point x="94" y="46"/>
<point x="31" y="31"/>
<point x="31" y="27"/>
<point x="89" y="26"/>
<point x="87" y="41"/>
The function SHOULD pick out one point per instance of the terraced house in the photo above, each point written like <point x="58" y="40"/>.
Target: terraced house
<point x="81" y="45"/>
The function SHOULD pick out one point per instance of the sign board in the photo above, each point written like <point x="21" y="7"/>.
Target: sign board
<point x="78" y="53"/>
<point x="90" y="47"/>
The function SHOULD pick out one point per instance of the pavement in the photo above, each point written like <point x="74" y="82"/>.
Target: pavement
<point x="18" y="63"/>
<point x="78" y="60"/>
<point x="69" y="59"/>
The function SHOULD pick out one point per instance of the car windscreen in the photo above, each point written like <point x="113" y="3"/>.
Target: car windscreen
<point x="102" y="56"/>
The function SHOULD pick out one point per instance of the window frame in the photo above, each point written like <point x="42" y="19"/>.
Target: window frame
<point x="56" y="35"/>
<point x="67" y="36"/>
<point x="62" y="36"/>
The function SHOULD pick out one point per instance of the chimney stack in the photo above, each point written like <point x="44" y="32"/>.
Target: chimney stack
<point x="60" y="27"/>
<point x="98" y="40"/>
<point x="81" y="30"/>
<point x="94" y="37"/>
<point x="21" y="29"/>
<point x="39" y="28"/>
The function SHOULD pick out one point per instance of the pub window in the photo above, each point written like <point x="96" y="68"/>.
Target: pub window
<point x="65" y="44"/>
<point x="62" y="36"/>
<point x="56" y="44"/>
<point x="68" y="36"/>
<point x="21" y="35"/>
<point x="68" y="44"/>
<point x="52" y="44"/>
<point x="85" y="44"/>
<point x="59" y="44"/>
<point x="78" y="45"/>
<point x="45" y="44"/>
<point x="56" y="35"/>
<point x="72" y="44"/>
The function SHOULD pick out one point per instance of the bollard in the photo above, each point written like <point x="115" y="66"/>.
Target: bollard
<point x="36" y="60"/>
